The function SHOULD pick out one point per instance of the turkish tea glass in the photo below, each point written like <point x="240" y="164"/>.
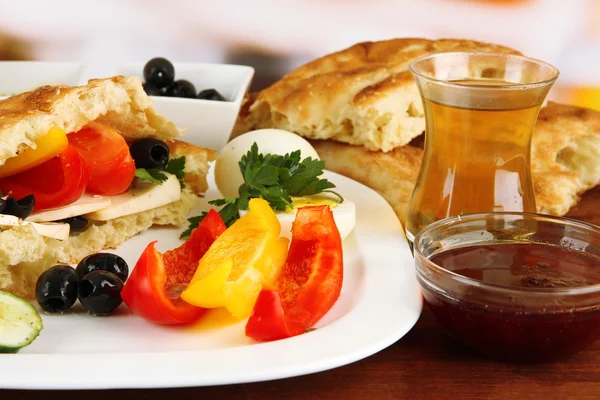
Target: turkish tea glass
<point x="480" y="111"/>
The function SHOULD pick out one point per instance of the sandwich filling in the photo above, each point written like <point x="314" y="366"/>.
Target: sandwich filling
<point x="88" y="176"/>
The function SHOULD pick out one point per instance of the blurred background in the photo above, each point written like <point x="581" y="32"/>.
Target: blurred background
<point x="275" y="36"/>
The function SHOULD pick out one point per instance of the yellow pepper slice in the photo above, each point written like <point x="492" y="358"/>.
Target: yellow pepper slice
<point x="50" y="145"/>
<point x="248" y="255"/>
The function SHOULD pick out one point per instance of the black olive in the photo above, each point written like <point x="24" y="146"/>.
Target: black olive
<point x="182" y="88"/>
<point x="103" y="262"/>
<point x="150" y="153"/>
<point x="76" y="224"/>
<point x="2" y="205"/>
<point x="100" y="292"/>
<point x="159" y="72"/>
<point x="152" y="90"/>
<point x="20" y="208"/>
<point x="211" y="94"/>
<point x="56" y="289"/>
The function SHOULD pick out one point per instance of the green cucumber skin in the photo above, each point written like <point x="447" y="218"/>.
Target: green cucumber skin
<point x="27" y="341"/>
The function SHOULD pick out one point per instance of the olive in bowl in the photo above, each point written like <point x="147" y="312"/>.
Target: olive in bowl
<point x="207" y="123"/>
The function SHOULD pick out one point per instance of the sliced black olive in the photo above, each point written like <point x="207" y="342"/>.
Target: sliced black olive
<point x="182" y="88"/>
<point x="211" y="94"/>
<point x="159" y="72"/>
<point x="76" y="224"/>
<point x="103" y="262"/>
<point x="20" y="208"/>
<point x="56" y="289"/>
<point x="152" y="90"/>
<point x="100" y="292"/>
<point x="150" y="153"/>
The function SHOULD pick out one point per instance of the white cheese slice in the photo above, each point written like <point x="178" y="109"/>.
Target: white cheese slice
<point x="86" y="204"/>
<point x="142" y="198"/>
<point x="51" y="230"/>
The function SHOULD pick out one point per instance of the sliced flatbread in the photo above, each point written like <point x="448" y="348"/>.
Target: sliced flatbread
<point x="363" y="95"/>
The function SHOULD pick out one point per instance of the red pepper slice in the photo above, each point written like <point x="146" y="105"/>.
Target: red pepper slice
<point x="151" y="291"/>
<point x="58" y="182"/>
<point x="310" y="281"/>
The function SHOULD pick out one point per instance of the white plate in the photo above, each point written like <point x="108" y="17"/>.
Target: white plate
<point x="380" y="302"/>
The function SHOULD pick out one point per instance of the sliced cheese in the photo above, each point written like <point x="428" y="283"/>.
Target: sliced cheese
<point x="85" y="205"/>
<point x="142" y="198"/>
<point x="51" y="230"/>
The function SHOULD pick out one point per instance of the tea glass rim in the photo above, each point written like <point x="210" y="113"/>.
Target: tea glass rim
<point x="520" y="86"/>
<point x="504" y="289"/>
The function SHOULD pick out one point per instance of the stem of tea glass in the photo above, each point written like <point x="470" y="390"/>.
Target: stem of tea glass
<point x="480" y="111"/>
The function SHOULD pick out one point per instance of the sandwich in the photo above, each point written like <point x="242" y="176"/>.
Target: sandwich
<point x="72" y="184"/>
<point x="361" y="109"/>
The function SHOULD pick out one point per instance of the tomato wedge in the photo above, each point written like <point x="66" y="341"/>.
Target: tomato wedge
<point x="107" y="155"/>
<point x="152" y="290"/>
<point x="310" y="281"/>
<point x="58" y="182"/>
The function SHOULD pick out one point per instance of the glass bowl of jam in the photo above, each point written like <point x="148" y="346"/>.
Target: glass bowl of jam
<point x="516" y="287"/>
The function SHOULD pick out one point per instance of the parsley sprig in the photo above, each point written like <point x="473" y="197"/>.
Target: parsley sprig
<point x="272" y="177"/>
<point x="155" y="176"/>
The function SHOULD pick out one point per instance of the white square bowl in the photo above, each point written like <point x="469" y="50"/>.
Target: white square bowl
<point x="22" y="76"/>
<point x="208" y="123"/>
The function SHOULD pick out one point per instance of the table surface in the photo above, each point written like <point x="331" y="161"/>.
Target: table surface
<point x="426" y="364"/>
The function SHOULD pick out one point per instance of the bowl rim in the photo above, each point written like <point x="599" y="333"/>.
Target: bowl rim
<point x="565" y="221"/>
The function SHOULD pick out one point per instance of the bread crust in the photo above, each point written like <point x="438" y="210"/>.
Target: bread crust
<point x="117" y="101"/>
<point x="362" y="95"/>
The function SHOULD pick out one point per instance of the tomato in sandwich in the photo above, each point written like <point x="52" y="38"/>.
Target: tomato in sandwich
<point x="107" y="156"/>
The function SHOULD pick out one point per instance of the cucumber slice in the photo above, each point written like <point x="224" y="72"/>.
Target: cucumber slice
<point x="20" y="323"/>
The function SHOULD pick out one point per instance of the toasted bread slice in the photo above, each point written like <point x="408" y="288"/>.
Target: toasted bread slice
<point x="363" y="95"/>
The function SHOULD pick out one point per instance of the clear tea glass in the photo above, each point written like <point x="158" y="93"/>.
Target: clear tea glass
<point x="480" y="111"/>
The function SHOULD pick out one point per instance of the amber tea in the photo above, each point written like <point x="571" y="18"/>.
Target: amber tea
<point x="478" y="139"/>
<point x="478" y="161"/>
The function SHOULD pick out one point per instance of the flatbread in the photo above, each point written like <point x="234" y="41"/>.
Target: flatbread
<point x="117" y="101"/>
<point x="363" y="95"/>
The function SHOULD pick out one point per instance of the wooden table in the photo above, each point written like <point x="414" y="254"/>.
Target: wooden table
<point x="425" y="364"/>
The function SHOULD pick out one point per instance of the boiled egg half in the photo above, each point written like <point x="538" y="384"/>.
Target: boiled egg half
<point x="228" y="177"/>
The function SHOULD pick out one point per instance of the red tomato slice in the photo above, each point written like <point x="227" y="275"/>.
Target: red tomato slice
<point x="151" y="291"/>
<point x="58" y="182"/>
<point x="310" y="281"/>
<point x="107" y="155"/>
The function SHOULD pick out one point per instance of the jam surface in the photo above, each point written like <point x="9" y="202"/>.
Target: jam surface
<point x="523" y="265"/>
<point x="519" y="331"/>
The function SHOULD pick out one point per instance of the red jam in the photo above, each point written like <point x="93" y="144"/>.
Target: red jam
<point x="523" y="329"/>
